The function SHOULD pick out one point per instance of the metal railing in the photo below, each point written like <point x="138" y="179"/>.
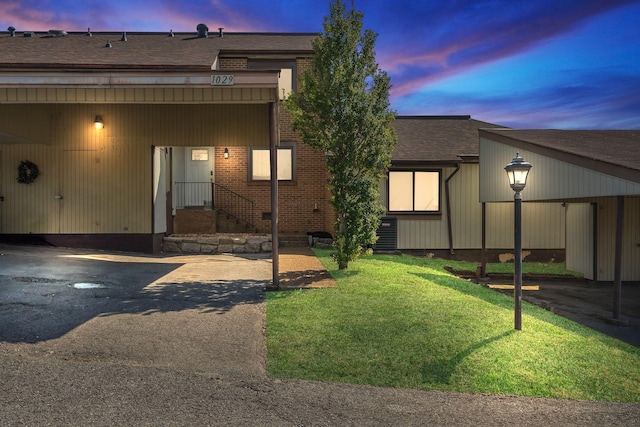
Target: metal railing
<point x="210" y="195"/>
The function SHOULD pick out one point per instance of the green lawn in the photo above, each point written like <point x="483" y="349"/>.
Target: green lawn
<point x="402" y="321"/>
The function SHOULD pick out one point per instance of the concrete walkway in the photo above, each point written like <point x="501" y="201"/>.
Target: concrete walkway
<point x="95" y="338"/>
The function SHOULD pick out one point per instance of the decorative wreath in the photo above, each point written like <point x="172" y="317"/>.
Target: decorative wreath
<point x="27" y="172"/>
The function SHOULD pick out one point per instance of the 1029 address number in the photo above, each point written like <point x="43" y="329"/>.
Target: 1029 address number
<point x="222" y="80"/>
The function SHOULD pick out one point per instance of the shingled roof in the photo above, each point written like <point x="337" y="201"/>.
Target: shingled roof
<point x="436" y="139"/>
<point x="79" y="50"/>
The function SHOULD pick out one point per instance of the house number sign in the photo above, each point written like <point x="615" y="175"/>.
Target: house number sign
<point x="222" y="80"/>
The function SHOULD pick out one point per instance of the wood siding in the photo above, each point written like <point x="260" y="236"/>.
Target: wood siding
<point x="549" y="179"/>
<point x="580" y="243"/>
<point x="105" y="176"/>
<point x="630" y="242"/>
<point x="543" y="223"/>
<point x="136" y="95"/>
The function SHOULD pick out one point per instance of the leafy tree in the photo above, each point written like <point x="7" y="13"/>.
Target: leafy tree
<point x="342" y="109"/>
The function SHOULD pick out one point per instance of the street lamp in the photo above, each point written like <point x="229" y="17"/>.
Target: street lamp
<point x="517" y="172"/>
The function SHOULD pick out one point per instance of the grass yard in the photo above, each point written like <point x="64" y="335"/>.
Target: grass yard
<point x="401" y="321"/>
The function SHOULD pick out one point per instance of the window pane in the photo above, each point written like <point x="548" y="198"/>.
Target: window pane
<point x="426" y="196"/>
<point x="261" y="164"/>
<point x="261" y="168"/>
<point x="285" y="171"/>
<point x="400" y="191"/>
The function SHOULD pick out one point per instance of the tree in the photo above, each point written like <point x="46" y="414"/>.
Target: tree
<point x="342" y="108"/>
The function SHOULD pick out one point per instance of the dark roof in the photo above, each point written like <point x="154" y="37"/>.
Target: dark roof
<point x="140" y="50"/>
<point x="436" y="139"/>
<point x="616" y="152"/>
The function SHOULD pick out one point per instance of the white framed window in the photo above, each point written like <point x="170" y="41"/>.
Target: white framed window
<point x="414" y="191"/>
<point x="260" y="163"/>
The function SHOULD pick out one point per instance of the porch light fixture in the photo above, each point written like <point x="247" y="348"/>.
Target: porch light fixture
<point x="517" y="172"/>
<point x="226" y="152"/>
<point x="98" y="122"/>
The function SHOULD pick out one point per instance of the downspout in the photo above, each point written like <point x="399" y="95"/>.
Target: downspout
<point x="448" y="203"/>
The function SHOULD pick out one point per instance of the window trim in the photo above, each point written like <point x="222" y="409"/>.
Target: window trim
<point x="291" y="146"/>
<point x="414" y="212"/>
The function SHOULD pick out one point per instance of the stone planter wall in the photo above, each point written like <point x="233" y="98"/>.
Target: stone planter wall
<point x="217" y="243"/>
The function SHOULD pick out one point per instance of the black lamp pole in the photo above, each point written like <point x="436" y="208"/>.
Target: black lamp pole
<point x="517" y="286"/>
<point x="517" y="172"/>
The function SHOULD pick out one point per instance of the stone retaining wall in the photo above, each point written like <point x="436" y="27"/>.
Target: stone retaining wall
<point x="217" y="244"/>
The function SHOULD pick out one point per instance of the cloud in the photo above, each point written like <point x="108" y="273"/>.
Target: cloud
<point x="453" y="41"/>
<point x="604" y="98"/>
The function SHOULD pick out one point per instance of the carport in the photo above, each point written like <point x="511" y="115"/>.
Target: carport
<point x="109" y="186"/>
<point x="596" y="175"/>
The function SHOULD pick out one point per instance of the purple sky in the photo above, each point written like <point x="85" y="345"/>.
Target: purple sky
<point x="565" y="64"/>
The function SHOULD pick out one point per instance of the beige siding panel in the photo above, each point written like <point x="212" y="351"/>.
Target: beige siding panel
<point x="631" y="243"/>
<point x="606" y="239"/>
<point x="549" y="179"/>
<point x="466" y="211"/>
<point x="579" y="253"/>
<point x="543" y="223"/>
<point x="105" y="177"/>
<point x="29" y="208"/>
<point x="543" y="226"/>
<point x="136" y="95"/>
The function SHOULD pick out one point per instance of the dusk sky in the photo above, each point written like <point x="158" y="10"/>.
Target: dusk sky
<point x="563" y="64"/>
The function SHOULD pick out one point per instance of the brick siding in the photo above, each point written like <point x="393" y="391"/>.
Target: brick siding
<point x="303" y="203"/>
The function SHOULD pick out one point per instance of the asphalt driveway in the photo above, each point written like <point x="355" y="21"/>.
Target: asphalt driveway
<point x="96" y="338"/>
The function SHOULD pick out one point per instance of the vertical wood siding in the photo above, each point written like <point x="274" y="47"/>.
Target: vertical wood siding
<point x="606" y="239"/>
<point x="105" y="177"/>
<point x="543" y="223"/>
<point x="580" y="239"/>
<point x="549" y="179"/>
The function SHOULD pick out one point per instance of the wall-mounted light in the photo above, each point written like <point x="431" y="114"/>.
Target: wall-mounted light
<point x="98" y="122"/>
<point x="226" y="153"/>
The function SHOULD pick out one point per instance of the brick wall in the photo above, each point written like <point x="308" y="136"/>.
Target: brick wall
<point x="303" y="203"/>
<point x="233" y="64"/>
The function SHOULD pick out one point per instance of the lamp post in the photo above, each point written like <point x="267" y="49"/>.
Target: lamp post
<point x="517" y="172"/>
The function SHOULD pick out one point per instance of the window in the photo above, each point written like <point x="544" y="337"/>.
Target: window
<point x="260" y="164"/>
<point x="414" y="191"/>
<point x="287" y="76"/>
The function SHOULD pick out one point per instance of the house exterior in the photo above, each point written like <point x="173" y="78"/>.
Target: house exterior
<point x="176" y="109"/>
<point x="433" y="191"/>
<point x="596" y="177"/>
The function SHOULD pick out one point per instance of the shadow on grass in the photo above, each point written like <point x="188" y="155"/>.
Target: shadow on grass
<point x="440" y="371"/>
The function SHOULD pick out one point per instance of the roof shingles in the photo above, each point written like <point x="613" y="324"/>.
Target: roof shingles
<point x="140" y="50"/>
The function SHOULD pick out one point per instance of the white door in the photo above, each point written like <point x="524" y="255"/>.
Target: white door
<point x="198" y="173"/>
<point x="579" y="240"/>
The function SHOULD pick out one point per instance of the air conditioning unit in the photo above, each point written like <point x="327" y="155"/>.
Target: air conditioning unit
<point x="387" y="235"/>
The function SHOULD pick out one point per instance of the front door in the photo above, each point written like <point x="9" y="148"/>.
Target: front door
<point x="198" y="173"/>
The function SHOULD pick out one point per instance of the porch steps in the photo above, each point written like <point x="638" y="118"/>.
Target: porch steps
<point x="226" y="223"/>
